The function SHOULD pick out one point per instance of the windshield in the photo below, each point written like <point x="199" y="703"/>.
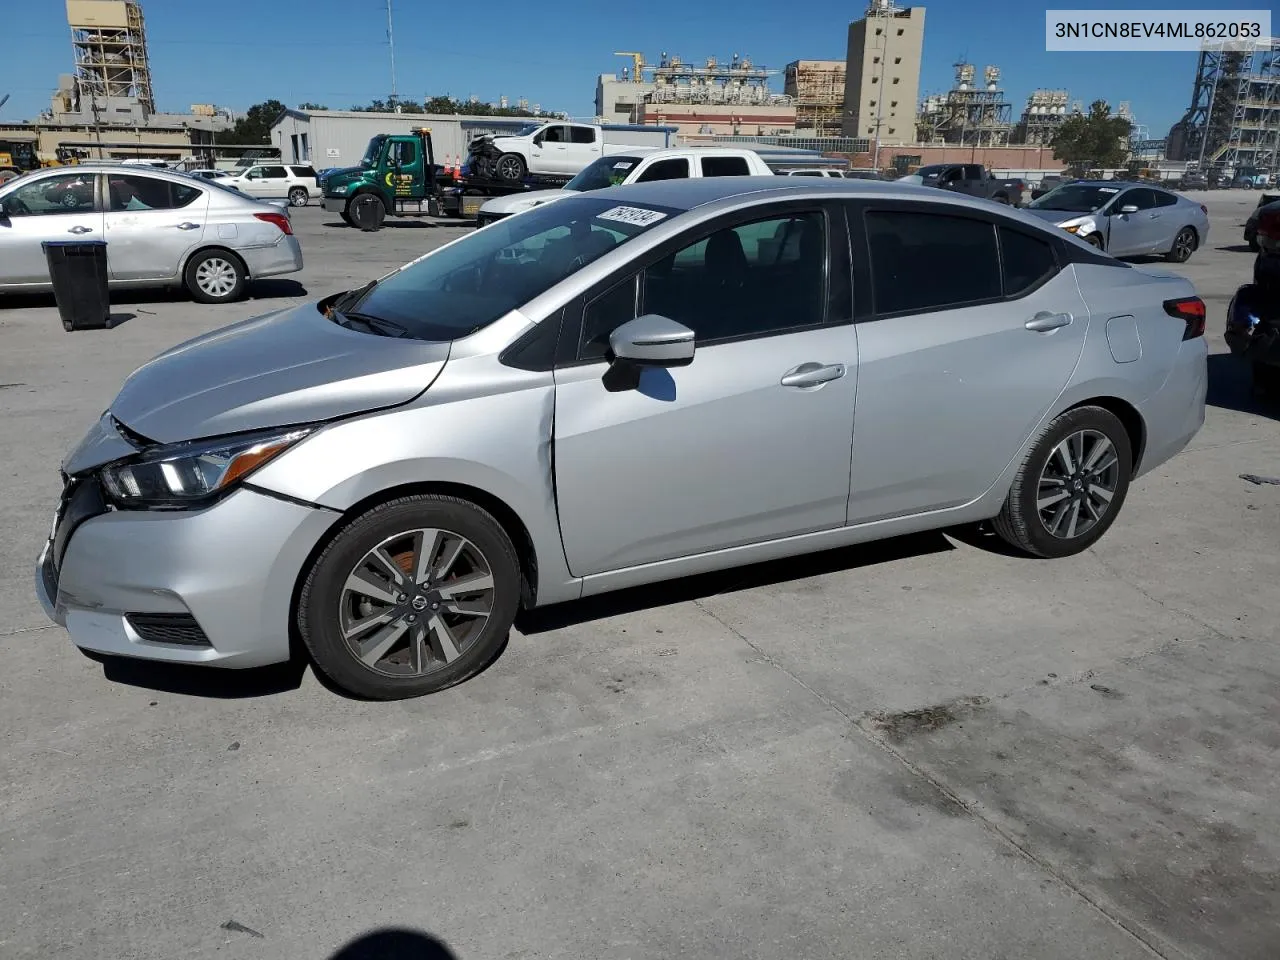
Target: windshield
<point x="1075" y="198"/>
<point x="932" y="173"/>
<point x="371" y="154"/>
<point x="524" y="131"/>
<point x="602" y="173"/>
<point x="471" y="283"/>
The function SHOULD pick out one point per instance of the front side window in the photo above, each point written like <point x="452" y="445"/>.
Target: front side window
<point x="474" y="281"/>
<point x="757" y="279"/>
<point x="66" y="193"/>
<point x="923" y="261"/>
<point x="676" y="168"/>
<point x="554" y="135"/>
<point x="129" y="193"/>
<point x="404" y="152"/>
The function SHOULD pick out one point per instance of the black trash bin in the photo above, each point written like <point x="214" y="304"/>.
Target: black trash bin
<point x="367" y="212"/>
<point x="78" y="269"/>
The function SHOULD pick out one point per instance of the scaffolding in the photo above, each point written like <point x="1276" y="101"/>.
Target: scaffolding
<point x="1233" y="123"/>
<point x="110" y="44"/>
<point x="1043" y="115"/>
<point x="738" y="82"/>
<point x="968" y="114"/>
<point x="817" y="89"/>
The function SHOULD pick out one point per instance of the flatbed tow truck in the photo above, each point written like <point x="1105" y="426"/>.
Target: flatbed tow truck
<point x="399" y="177"/>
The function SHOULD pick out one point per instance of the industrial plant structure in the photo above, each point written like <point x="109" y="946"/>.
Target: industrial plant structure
<point x="882" y="76"/>
<point x="111" y="63"/>
<point x="816" y="87"/>
<point x="1233" y="123"/>
<point x="970" y="113"/>
<point x="712" y="97"/>
<point x="1044" y="113"/>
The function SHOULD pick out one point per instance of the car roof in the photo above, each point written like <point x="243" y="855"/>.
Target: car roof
<point x="697" y="192"/>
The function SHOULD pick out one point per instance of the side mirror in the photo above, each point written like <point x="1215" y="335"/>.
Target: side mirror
<point x="653" y="341"/>
<point x="538" y="138"/>
<point x="1129" y="208"/>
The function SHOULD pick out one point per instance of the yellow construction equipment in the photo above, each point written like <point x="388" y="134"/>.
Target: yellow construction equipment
<point x="637" y="60"/>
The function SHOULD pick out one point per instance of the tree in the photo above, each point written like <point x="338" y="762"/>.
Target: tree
<point x="254" y="126"/>
<point x="1093" y="139"/>
<point x="446" y="106"/>
<point x="312" y="106"/>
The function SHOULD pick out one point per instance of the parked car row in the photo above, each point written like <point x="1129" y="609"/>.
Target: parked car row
<point x="163" y="228"/>
<point x="318" y="471"/>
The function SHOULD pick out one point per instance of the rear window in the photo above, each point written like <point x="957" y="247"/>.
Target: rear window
<point x="303" y="171"/>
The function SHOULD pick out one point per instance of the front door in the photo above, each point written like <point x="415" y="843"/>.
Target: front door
<point x="406" y="176"/>
<point x="751" y="441"/>
<point x="151" y="225"/>
<point x="552" y="155"/>
<point x="951" y="380"/>
<point x="1132" y="233"/>
<point x="57" y="208"/>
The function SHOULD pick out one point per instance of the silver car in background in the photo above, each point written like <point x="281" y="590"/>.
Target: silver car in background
<point x="162" y="228"/>
<point x="1126" y="220"/>
<point x="631" y="385"/>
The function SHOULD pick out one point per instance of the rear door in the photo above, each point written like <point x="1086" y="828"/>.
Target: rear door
<point x="151" y="225"/>
<point x="583" y="147"/>
<point x="275" y="182"/>
<point x="951" y="380"/>
<point x="62" y="207"/>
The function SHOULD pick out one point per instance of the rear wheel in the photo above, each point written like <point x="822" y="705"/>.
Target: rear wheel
<point x="412" y="597"/>
<point x="1071" y="485"/>
<point x="215" y="276"/>
<point x="1184" y="244"/>
<point x="298" y="196"/>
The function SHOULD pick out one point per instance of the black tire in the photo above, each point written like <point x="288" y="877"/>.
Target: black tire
<point x="346" y="218"/>
<point x="367" y="212"/>
<point x="1001" y="198"/>
<point x="1094" y="239"/>
<point x="1253" y="244"/>
<point x="298" y="197"/>
<point x="322" y="596"/>
<point x="511" y="167"/>
<point x="1020" y="521"/>
<point x="206" y="264"/>
<point x="1184" y="244"/>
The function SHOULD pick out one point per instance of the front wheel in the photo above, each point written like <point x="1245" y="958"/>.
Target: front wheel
<point x="410" y="598"/>
<point x="1184" y="244"/>
<point x="215" y="276"/>
<point x="1070" y="487"/>
<point x="511" y="167"/>
<point x="298" y="197"/>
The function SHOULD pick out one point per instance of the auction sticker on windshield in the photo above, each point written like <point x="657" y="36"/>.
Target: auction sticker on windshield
<point x="636" y="216"/>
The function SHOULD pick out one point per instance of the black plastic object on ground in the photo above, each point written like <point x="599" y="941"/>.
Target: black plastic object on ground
<point x="78" y="269"/>
<point x="367" y="212"/>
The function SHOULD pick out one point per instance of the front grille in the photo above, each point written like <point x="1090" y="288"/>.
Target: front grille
<point x="175" y="628"/>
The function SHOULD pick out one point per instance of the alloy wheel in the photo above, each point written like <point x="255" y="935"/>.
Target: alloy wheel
<point x="216" y="277"/>
<point x="1183" y="246"/>
<point x="1077" y="484"/>
<point x="509" y="168"/>
<point x="416" y="602"/>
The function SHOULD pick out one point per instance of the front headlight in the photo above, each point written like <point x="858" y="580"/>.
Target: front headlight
<point x="1072" y="228"/>
<point x="183" y="474"/>
<point x="338" y="189"/>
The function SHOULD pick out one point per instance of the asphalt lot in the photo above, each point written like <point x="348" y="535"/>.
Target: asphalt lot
<point x="924" y="748"/>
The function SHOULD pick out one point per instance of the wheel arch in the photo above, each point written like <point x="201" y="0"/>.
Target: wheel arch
<point x="1129" y="417"/>
<point x="207" y="248"/>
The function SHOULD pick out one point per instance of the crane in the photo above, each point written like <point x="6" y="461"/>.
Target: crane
<point x="637" y="73"/>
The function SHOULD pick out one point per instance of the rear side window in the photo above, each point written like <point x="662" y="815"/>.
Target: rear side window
<point x="674" y="169"/>
<point x="130" y="193"/>
<point x="1164" y="199"/>
<point x="303" y="171"/>
<point x="274" y="173"/>
<point x="725" y="166"/>
<point x="922" y="262"/>
<point x="582" y="135"/>
<point x="1026" y="261"/>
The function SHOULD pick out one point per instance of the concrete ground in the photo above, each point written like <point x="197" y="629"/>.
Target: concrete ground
<point x="924" y="748"/>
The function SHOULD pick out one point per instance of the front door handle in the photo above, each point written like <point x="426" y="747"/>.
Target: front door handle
<point x="813" y="374"/>
<point x="1044" y="322"/>
<point x="188" y="226"/>
<point x="81" y="230"/>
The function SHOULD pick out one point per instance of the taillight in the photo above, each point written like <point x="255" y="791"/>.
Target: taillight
<point x="279" y="219"/>
<point x="1204" y="209"/>
<point x="1191" y="311"/>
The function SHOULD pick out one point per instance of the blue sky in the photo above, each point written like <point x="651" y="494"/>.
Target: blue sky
<point x="335" y="51"/>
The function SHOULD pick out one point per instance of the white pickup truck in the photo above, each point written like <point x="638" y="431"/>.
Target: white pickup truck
<point x="638" y="165"/>
<point x="556" y="149"/>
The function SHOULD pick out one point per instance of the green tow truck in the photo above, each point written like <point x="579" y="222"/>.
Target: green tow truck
<point x="399" y="177"/>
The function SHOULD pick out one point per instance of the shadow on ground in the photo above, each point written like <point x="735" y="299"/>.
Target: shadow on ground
<point x="1236" y="248"/>
<point x="398" y="224"/>
<point x="209" y="682"/>
<point x="1231" y="388"/>
<point x="269" y="289"/>
<point x="395" y="943"/>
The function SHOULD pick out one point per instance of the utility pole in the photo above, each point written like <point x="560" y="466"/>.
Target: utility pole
<point x="880" y="8"/>
<point x="391" y="43"/>
<point x="1208" y="119"/>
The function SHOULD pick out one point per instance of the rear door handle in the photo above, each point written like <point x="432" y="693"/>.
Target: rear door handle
<point x="1044" y="322"/>
<point x="813" y="374"/>
<point x="81" y="230"/>
<point x="188" y="226"/>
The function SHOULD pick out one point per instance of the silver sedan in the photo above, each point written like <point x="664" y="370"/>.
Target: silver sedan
<point x="1126" y="220"/>
<point x="631" y="385"/>
<point x="161" y="228"/>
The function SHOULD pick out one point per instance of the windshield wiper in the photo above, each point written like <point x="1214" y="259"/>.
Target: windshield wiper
<point x="352" y="297"/>
<point x="378" y="325"/>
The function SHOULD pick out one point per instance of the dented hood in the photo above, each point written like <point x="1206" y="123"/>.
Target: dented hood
<point x="293" y="366"/>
